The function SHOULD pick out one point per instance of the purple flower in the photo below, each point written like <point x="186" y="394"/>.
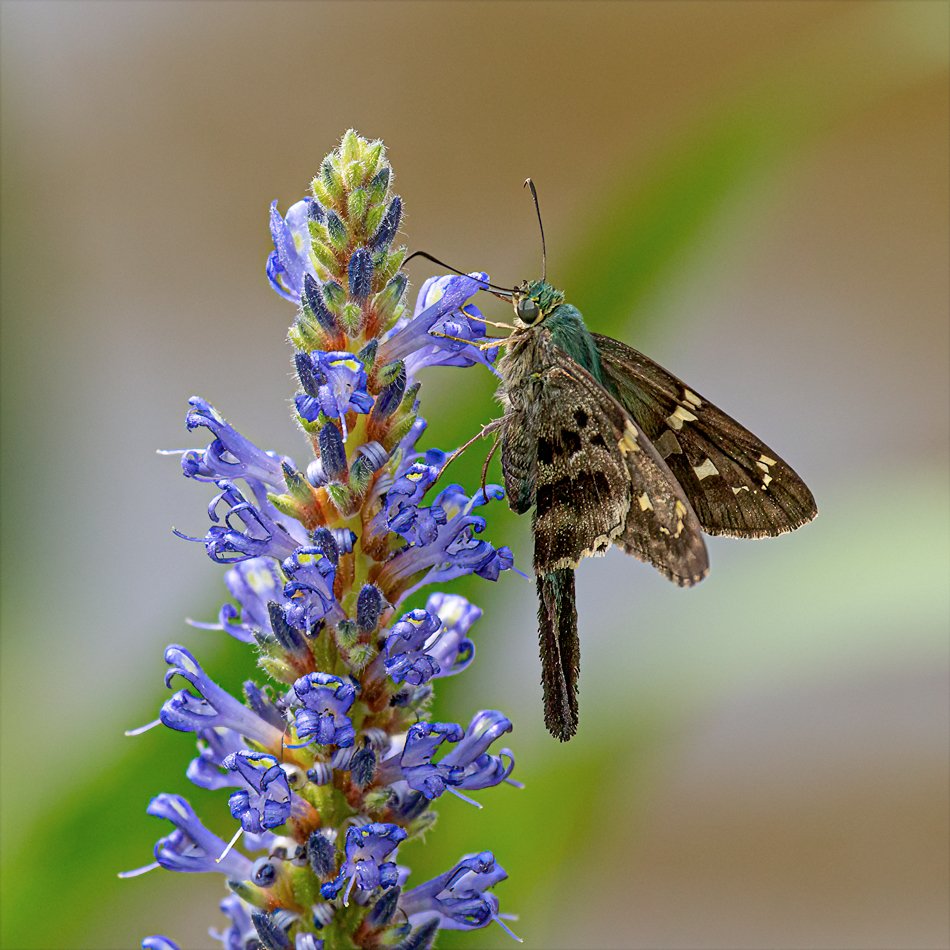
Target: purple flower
<point x="366" y="848"/>
<point x="309" y="591"/>
<point x="468" y="765"/>
<point x="454" y="550"/>
<point x="229" y="455"/>
<point x="158" y="942"/>
<point x="254" y="584"/>
<point x="403" y="512"/>
<point x="248" y="531"/>
<point x="213" y="707"/>
<point x="457" y="899"/>
<point x="326" y="701"/>
<point x="305" y="941"/>
<point x="191" y="847"/>
<point x="335" y="385"/>
<point x="290" y="259"/>
<point x="423" y="645"/>
<point x="241" y="931"/>
<point x="266" y="802"/>
<point x="214" y="746"/>
<point x="440" y="308"/>
<point x="405" y="648"/>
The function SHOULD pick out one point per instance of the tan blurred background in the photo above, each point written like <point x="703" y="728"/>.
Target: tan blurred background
<point x="756" y="194"/>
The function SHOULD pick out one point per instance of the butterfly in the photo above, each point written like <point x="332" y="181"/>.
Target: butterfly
<point x="607" y="448"/>
<point x="610" y="449"/>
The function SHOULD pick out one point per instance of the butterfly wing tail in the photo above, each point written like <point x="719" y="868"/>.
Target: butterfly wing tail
<point x="560" y="651"/>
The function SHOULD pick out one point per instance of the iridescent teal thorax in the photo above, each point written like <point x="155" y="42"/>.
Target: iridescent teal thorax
<point x="565" y="324"/>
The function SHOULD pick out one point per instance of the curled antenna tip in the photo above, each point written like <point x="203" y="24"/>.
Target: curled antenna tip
<point x="528" y="183"/>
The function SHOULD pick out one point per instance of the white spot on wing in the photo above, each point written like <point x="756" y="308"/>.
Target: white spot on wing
<point x="680" y="415"/>
<point x="629" y="441"/>
<point x="692" y="398"/>
<point x="705" y="470"/>
<point x="667" y="444"/>
<point x="645" y="503"/>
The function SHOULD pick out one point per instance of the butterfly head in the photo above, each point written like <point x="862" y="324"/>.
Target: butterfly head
<point x="533" y="300"/>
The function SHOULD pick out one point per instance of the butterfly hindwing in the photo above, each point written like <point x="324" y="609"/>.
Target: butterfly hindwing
<point x="560" y="651"/>
<point x="737" y="485"/>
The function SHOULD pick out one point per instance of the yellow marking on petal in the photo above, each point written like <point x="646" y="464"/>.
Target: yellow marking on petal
<point x="767" y="460"/>
<point x="691" y="397"/>
<point x="434" y="294"/>
<point x="680" y="415"/>
<point x="645" y="503"/>
<point x="349" y="363"/>
<point x="705" y="470"/>
<point x="414" y="476"/>
<point x="259" y="581"/>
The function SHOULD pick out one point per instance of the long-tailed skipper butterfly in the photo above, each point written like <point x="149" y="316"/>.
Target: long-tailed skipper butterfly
<point x="608" y="448"/>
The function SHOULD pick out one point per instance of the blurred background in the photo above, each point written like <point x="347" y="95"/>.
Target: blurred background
<point x="754" y="194"/>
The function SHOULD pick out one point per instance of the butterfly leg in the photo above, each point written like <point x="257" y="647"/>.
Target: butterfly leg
<point x="560" y="651"/>
<point x="489" y="344"/>
<point x="486" y="429"/>
<point x="488" y="459"/>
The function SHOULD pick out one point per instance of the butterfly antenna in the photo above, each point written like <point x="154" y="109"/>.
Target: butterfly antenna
<point x="455" y="270"/>
<point x="528" y="183"/>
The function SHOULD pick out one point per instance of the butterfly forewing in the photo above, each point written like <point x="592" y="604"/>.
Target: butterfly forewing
<point x="596" y="479"/>
<point x="737" y="485"/>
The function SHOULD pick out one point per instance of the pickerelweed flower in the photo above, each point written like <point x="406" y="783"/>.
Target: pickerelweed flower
<point x="335" y="762"/>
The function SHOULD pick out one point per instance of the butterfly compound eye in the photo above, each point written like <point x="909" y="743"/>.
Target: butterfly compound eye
<point x="527" y="310"/>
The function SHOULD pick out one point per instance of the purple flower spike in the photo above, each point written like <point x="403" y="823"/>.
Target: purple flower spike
<point x="458" y="898"/>
<point x="290" y="259"/>
<point x="341" y="386"/>
<point x="267" y="803"/>
<point x="213" y="707"/>
<point x="230" y="455"/>
<point x="326" y="700"/>
<point x="327" y="776"/>
<point x="191" y="847"/>
<point x="366" y="847"/>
